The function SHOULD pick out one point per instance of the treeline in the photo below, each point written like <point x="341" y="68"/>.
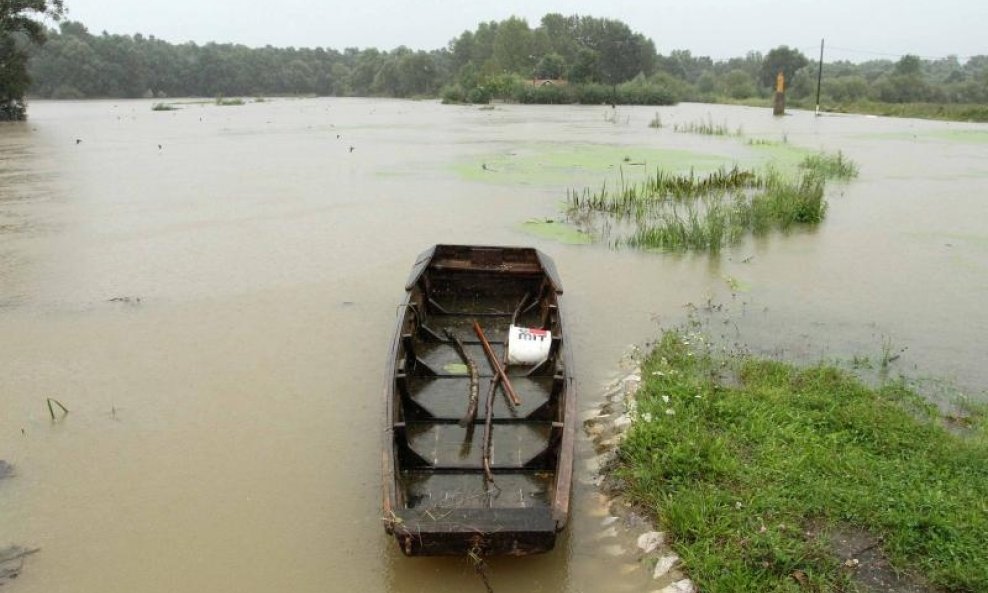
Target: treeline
<point x="588" y="60"/>
<point x="77" y="64"/>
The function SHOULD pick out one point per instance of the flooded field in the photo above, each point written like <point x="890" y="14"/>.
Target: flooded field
<point x="211" y="292"/>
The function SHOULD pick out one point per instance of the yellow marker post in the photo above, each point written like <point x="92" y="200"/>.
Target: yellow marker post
<point x="779" y="107"/>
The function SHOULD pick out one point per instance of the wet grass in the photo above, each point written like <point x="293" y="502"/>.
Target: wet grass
<point x="674" y="212"/>
<point x="164" y="107"/>
<point x="752" y="465"/>
<point x="722" y="219"/>
<point x="706" y="127"/>
<point x="223" y="102"/>
<point x="831" y="166"/>
<point x="970" y="112"/>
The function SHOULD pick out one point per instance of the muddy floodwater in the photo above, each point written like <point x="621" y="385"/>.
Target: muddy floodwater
<point x="211" y="292"/>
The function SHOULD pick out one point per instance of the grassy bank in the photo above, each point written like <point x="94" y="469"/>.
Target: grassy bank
<point x="755" y="467"/>
<point x="964" y="112"/>
<point x="967" y="112"/>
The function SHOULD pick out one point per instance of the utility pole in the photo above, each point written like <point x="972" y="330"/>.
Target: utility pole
<point x="819" y="79"/>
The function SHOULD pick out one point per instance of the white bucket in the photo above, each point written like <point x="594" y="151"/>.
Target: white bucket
<point x="528" y="345"/>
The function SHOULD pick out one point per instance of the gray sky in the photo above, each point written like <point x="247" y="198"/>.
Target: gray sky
<point x="854" y="29"/>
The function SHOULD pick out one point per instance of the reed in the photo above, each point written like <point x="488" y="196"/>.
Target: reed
<point x="656" y="121"/>
<point x="51" y="409"/>
<point x="703" y="213"/>
<point x="707" y="127"/>
<point x="831" y="166"/>
<point x="228" y="102"/>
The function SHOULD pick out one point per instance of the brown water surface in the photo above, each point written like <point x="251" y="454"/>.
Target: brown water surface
<point x="224" y="428"/>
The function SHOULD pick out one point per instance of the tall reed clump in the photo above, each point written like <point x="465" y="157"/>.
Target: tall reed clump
<point x="703" y="213"/>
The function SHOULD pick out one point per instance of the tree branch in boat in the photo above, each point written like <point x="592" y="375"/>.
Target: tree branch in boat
<point x="496" y="365"/>
<point x="489" y="402"/>
<point x="471" y="414"/>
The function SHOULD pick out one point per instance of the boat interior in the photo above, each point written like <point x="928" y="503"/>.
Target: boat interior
<point x="441" y="460"/>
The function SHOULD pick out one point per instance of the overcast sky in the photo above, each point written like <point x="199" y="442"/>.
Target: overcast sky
<point x="854" y="29"/>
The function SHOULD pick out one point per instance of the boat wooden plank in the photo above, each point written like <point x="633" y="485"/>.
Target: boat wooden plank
<point x="444" y="396"/>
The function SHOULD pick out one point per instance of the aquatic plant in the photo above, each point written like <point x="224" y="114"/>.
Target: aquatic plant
<point x="706" y="127"/>
<point x="228" y="102"/>
<point x="690" y="212"/>
<point x="163" y="107"/>
<point x="675" y="211"/>
<point x="656" y="121"/>
<point x="831" y="166"/>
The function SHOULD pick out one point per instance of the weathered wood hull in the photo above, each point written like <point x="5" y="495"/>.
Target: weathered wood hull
<point x="498" y="483"/>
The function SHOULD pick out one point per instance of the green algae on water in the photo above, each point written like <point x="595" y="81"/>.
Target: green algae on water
<point x="556" y="231"/>
<point x="567" y="165"/>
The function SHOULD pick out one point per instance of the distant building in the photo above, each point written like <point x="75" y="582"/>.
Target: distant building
<point x="548" y="82"/>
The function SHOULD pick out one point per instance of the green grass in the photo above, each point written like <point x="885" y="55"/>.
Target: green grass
<point x="229" y="102"/>
<point x="752" y="464"/>
<point x="968" y="112"/>
<point x="706" y="127"/>
<point x="674" y="212"/>
<point x="942" y="111"/>
<point x="831" y="166"/>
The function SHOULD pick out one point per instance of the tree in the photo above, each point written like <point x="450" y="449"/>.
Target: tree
<point x="908" y="65"/>
<point x="551" y="65"/>
<point x="18" y="30"/>
<point x="738" y="84"/>
<point x="621" y="54"/>
<point x="586" y="67"/>
<point x="781" y="59"/>
<point x="513" y="46"/>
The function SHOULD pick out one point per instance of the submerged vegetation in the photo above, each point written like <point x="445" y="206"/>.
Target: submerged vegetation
<point x="224" y="102"/>
<point x="831" y="166"/>
<point x="756" y="467"/>
<point x="690" y="212"/>
<point x="706" y="127"/>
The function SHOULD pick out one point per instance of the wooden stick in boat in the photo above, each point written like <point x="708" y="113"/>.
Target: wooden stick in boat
<point x="471" y="414"/>
<point x="504" y="359"/>
<point x="488" y="426"/>
<point x="496" y="365"/>
<point x="489" y="402"/>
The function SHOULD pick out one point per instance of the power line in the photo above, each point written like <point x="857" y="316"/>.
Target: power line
<point x="895" y="55"/>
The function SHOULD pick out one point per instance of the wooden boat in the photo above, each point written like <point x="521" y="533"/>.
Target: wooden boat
<point x="500" y="484"/>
